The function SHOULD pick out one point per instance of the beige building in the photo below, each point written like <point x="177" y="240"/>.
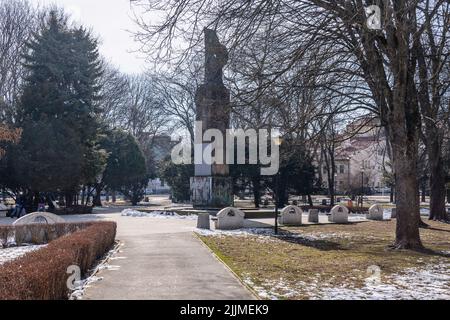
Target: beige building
<point x="360" y="159"/>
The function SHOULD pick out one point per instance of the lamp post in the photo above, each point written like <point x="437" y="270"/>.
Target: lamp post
<point x="362" y="185"/>
<point x="278" y="141"/>
<point x="335" y="188"/>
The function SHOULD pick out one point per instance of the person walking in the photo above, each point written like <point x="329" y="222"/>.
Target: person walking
<point x="19" y="210"/>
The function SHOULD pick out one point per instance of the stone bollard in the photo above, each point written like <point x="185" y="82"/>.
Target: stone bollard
<point x="291" y="216"/>
<point x="339" y="214"/>
<point x="376" y="213"/>
<point x="230" y="219"/>
<point x="313" y="216"/>
<point x="394" y="213"/>
<point x="203" y="221"/>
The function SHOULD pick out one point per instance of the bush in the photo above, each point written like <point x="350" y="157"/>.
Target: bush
<point x="42" y="274"/>
<point x="38" y="233"/>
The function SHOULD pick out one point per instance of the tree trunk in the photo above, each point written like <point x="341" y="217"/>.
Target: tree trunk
<point x="256" y="191"/>
<point x="69" y="199"/>
<point x="83" y="196"/>
<point x="406" y="188"/>
<point x="391" y="196"/>
<point x="423" y="193"/>
<point x="310" y="201"/>
<point x="97" y="202"/>
<point x="282" y="192"/>
<point x="437" y="182"/>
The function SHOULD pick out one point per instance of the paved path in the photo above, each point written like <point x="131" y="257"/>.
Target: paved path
<point x="162" y="259"/>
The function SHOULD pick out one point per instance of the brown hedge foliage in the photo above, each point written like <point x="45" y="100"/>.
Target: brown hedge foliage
<point x="42" y="274"/>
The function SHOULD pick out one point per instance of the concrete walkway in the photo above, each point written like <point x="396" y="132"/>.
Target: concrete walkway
<point x="162" y="259"/>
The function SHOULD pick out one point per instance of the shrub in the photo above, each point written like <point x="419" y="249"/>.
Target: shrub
<point x="38" y="233"/>
<point x="42" y="274"/>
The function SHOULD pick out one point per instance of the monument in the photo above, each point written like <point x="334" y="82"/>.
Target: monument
<point x="211" y="187"/>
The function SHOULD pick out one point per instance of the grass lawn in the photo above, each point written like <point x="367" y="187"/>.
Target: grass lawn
<point x="325" y="261"/>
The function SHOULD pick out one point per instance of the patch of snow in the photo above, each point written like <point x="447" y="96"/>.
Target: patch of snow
<point x="81" y="285"/>
<point x="13" y="253"/>
<point x="268" y="234"/>
<point x="387" y="213"/>
<point x="427" y="283"/>
<point x="424" y="211"/>
<point x="357" y="218"/>
<point x="156" y="214"/>
<point x="109" y="267"/>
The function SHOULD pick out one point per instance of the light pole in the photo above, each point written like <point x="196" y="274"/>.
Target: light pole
<point x="335" y="188"/>
<point x="276" y="202"/>
<point x="362" y="185"/>
<point x="278" y="141"/>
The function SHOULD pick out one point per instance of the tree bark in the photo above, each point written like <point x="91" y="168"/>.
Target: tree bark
<point x="256" y="191"/>
<point x="437" y="182"/>
<point x="423" y="192"/>
<point x="406" y="189"/>
<point x="391" y="196"/>
<point x="310" y="201"/>
<point x="97" y="201"/>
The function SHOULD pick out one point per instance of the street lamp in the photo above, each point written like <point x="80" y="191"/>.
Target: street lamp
<point x="335" y="188"/>
<point x="278" y="141"/>
<point x="362" y="185"/>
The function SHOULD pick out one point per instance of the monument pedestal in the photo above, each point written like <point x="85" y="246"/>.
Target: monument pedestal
<point x="211" y="192"/>
<point x="211" y="187"/>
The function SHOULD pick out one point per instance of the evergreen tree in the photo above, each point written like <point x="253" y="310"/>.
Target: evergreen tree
<point x="178" y="178"/>
<point x="59" y="111"/>
<point x="126" y="168"/>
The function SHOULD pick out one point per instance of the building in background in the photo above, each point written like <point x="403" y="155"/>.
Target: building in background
<point x="161" y="147"/>
<point x="361" y="159"/>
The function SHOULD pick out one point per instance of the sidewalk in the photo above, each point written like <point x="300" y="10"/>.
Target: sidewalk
<point x="162" y="259"/>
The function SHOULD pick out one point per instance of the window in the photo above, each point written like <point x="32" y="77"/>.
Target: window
<point x="341" y="169"/>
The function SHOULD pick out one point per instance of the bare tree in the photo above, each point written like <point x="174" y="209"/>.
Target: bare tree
<point x="176" y="90"/>
<point x="433" y="83"/>
<point x="17" y="21"/>
<point x="380" y="65"/>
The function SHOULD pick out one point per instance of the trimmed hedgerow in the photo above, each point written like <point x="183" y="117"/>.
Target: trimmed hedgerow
<point x="42" y="274"/>
<point x="38" y="233"/>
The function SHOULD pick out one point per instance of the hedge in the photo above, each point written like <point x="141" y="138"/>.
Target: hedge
<point x="38" y="233"/>
<point x="42" y="274"/>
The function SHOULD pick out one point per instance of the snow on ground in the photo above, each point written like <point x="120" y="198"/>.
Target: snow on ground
<point x="387" y="213"/>
<point x="80" y="286"/>
<point x="429" y="283"/>
<point x="13" y="253"/>
<point x="268" y="234"/>
<point x="156" y="214"/>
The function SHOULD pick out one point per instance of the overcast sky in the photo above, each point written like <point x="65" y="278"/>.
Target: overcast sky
<point x="111" y="21"/>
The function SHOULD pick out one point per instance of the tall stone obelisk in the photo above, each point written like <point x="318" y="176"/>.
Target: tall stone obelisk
<point x="211" y="187"/>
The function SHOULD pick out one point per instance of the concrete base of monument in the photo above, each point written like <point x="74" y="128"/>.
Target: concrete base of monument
<point x="211" y="192"/>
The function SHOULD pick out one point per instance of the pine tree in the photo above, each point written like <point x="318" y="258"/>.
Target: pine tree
<point x="59" y="111"/>
<point x="126" y="169"/>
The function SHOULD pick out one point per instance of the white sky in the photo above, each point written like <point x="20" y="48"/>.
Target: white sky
<point x="111" y="21"/>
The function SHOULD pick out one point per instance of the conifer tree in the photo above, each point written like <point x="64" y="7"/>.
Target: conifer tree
<point x="59" y="112"/>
